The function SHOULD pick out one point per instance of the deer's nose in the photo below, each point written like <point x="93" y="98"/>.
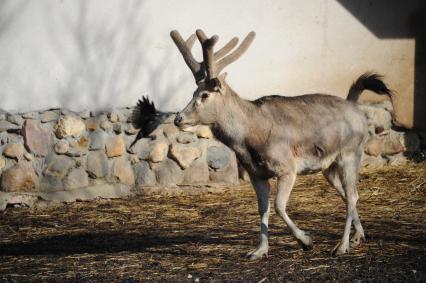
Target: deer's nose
<point x="178" y="120"/>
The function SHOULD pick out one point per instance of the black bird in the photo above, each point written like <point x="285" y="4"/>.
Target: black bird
<point x="146" y="118"/>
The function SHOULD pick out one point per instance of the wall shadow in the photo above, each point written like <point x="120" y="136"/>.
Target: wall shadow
<point x="399" y="19"/>
<point x="114" y="242"/>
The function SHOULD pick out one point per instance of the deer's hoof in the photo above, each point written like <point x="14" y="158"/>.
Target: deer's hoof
<point x="356" y="240"/>
<point x="258" y="253"/>
<point x="306" y="242"/>
<point x="340" y="249"/>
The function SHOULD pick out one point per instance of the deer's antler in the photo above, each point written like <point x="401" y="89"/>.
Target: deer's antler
<point x="213" y="62"/>
<point x="236" y="53"/>
<point x="216" y="62"/>
<point x="208" y="55"/>
<point x="185" y="49"/>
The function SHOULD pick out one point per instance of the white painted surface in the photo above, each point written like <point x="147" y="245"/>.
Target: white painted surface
<point x="98" y="54"/>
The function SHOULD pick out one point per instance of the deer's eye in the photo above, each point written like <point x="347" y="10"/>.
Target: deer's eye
<point x="204" y="96"/>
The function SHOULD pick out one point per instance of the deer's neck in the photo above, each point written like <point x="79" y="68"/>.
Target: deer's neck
<point x="238" y="121"/>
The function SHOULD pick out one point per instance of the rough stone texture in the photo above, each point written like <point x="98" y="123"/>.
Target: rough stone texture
<point x="115" y="146"/>
<point x="198" y="172"/>
<point x="16" y="119"/>
<point x="106" y="125"/>
<point x="185" y="138"/>
<point x="157" y="134"/>
<point x="97" y="164"/>
<point x="42" y="199"/>
<point x="69" y="126"/>
<point x="37" y="140"/>
<point x="371" y="162"/>
<point x="378" y="117"/>
<point x="184" y="155"/>
<point x="144" y="175"/>
<point x="97" y="140"/>
<point x="117" y="128"/>
<point x="374" y="147"/>
<point x="227" y="174"/>
<point x="38" y="164"/>
<point x="59" y="166"/>
<point x="91" y="124"/>
<point x="28" y="156"/>
<point x="2" y="163"/>
<point x="170" y="131"/>
<point x="192" y="159"/>
<point x="81" y="161"/>
<point x="84" y="114"/>
<point x="384" y="146"/>
<point x="19" y="178"/>
<point x="142" y="148"/>
<point x="13" y="150"/>
<point x="203" y="131"/>
<point x="134" y="159"/>
<point x="116" y="116"/>
<point x="159" y="151"/>
<point x="8" y="126"/>
<point x="3" y="115"/>
<point x="122" y="170"/>
<point x="30" y="115"/>
<point x="130" y="130"/>
<point x="168" y="172"/>
<point x="218" y="156"/>
<point x="78" y="147"/>
<point x="77" y="178"/>
<point x="14" y="138"/>
<point x="61" y="147"/>
<point x="49" y="116"/>
<point x="392" y="144"/>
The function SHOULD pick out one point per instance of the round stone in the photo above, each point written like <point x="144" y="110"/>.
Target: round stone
<point x="61" y="147"/>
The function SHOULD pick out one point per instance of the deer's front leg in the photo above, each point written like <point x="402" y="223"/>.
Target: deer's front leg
<point x="261" y="187"/>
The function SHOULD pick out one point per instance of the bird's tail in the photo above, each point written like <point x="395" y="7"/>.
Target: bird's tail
<point x="146" y="118"/>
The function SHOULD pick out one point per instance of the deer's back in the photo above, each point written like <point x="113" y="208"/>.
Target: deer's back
<point x="312" y="129"/>
<point x="313" y="114"/>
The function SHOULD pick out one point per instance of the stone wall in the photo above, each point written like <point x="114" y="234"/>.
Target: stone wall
<point x="59" y="150"/>
<point x="387" y="144"/>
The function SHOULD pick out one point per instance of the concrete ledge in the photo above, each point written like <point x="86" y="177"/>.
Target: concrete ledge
<point x="40" y="199"/>
<point x="190" y="189"/>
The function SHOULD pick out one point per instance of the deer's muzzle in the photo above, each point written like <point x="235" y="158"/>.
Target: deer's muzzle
<point x="178" y="120"/>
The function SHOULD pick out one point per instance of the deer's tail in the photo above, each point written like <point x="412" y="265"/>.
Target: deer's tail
<point x="370" y="81"/>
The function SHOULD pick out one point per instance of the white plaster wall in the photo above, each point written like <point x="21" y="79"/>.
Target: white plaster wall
<point x="96" y="54"/>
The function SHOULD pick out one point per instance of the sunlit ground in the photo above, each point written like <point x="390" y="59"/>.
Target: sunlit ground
<point x="205" y="237"/>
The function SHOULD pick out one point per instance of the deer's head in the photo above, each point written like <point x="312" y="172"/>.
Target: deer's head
<point x="211" y="93"/>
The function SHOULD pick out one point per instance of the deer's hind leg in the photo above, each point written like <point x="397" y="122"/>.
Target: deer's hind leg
<point x="333" y="177"/>
<point x="343" y="176"/>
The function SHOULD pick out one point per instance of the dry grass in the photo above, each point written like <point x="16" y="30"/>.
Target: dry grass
<point x="206" y="236"/>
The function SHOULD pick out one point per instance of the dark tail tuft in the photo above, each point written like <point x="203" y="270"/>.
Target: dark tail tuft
<point x="370" y="81"/>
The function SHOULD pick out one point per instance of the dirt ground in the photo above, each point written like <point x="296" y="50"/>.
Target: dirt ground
<point x="205" y="237"/>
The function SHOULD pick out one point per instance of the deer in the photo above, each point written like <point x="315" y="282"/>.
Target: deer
<point x="281" y="136"/>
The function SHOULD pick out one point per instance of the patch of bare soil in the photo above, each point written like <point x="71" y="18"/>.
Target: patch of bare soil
<point x="205" y="237"/>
